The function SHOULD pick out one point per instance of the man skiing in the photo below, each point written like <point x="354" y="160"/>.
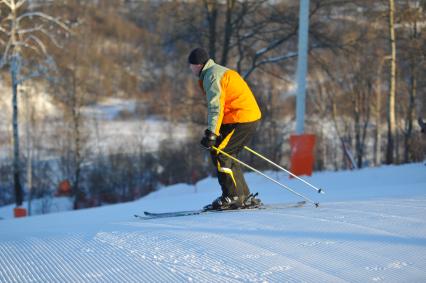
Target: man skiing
<point x="422" y="125"/>
<point x="233" y="115"/>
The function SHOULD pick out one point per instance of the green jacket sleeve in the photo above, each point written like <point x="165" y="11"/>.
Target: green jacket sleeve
<point x="214" y="107"/>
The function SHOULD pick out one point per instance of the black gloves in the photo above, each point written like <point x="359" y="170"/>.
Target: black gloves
<point x="209" y="139"/>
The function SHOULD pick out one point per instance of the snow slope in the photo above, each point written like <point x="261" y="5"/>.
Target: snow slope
<point x="370" y="227"/>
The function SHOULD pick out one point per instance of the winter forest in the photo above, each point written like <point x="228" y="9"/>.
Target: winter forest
<point x="98" y="93"/>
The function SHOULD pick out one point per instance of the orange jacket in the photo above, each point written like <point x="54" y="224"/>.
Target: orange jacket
<point x="229" y="98"/>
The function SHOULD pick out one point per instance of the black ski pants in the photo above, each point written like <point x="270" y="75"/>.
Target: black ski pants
<point x="232" y="139"/>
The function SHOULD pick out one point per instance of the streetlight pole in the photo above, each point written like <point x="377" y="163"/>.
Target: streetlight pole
<point x="302" y="65"/>
<point x="302" y="145"/>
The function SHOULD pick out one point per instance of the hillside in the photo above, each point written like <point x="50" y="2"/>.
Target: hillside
<point x="107" y="103"/>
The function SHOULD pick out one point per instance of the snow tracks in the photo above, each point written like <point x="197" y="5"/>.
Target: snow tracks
<point x="368" y="241"/>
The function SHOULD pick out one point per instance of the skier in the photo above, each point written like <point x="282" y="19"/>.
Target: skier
<point x="422" y="125"/>
<point x="233" y="115"/>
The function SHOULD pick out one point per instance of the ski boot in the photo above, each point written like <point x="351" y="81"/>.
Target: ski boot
<point x="252" y="201"/>
<point x="225" y="203"/>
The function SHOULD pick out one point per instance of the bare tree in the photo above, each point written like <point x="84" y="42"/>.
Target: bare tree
<point x="272" y="39"/>
<point x="412" y="62"/>
<point x="377" y="113"/>
<point x="23" y="37"/>
<point x="392" y="81"/>
<point x="212" y="12"/>
<point x="229" y="27"/>
<point x="73" y="100"/>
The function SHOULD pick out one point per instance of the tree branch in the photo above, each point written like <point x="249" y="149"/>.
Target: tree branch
<point x="4" y="31"/>
<point x="38" y="41"/>
<point x="5" y="54"/>
<point x="29" y="30"/>
<point x="26" y="45"/>
<point x="20" y="3"/>
<point x="51" y="37"/>
<point x="44" y="16"/>
<point x="269" y="60"/>
<point x="7" y="3"/>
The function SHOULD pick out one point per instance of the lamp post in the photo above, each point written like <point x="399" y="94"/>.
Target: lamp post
<point x="302" y="145"/>
<point x="302" y="65"/>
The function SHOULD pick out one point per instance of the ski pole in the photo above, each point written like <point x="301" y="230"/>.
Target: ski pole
<point x="321" y="191"/>
<point x="264" y="175"/>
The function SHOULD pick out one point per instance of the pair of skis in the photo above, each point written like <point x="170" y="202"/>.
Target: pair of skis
<point x="153" y="215"/>
<point x="150" y="215"/>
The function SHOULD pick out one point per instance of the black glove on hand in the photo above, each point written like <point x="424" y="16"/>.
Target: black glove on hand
<point x="209" y="139"/>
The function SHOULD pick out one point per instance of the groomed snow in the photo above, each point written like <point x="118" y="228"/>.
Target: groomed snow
<point x="370" y="227"/>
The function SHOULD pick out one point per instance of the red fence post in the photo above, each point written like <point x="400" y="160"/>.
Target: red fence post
<point x="302" y="154"/>
<point x="19" y="212"/>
